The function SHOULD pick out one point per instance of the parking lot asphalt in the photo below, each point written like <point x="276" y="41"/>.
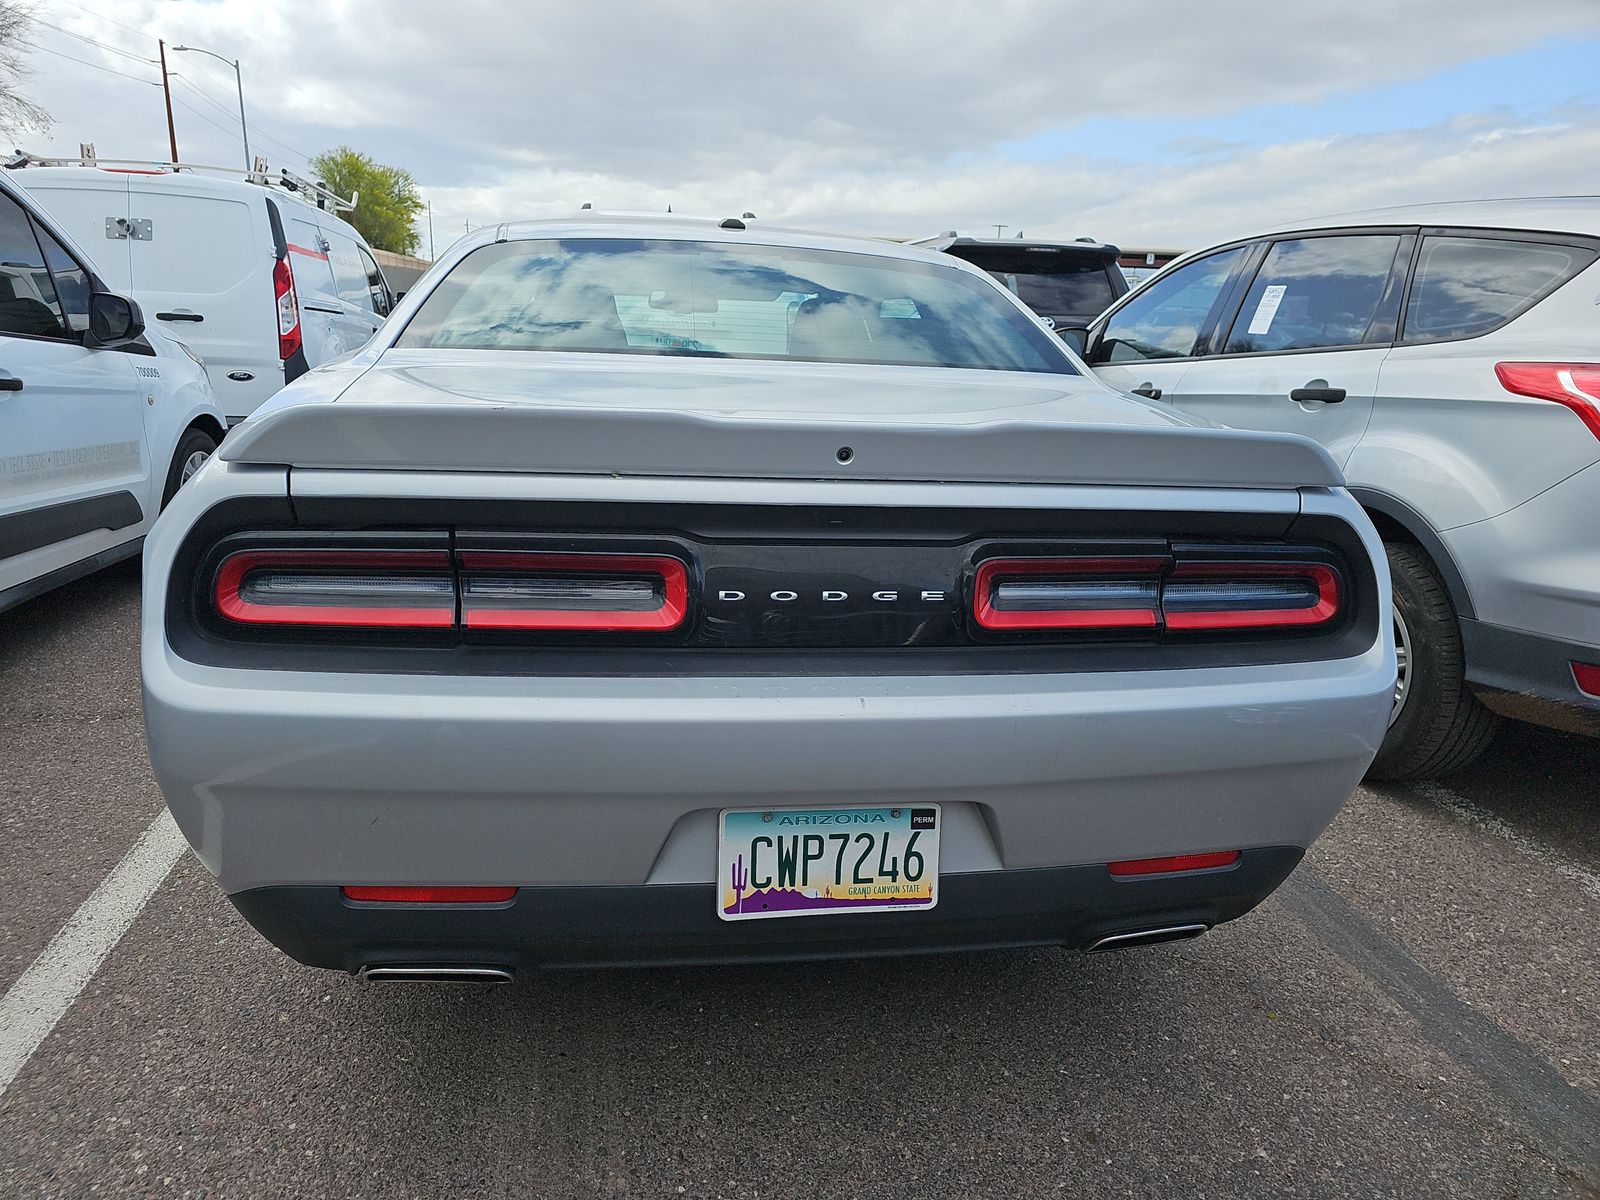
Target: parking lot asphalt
<point x="1417" y="1013"/>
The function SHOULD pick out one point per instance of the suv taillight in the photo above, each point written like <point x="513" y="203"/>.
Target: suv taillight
<point x="1576" y="385"/>
<point x="1178" y="594"/>
<point x="288" y="308"/>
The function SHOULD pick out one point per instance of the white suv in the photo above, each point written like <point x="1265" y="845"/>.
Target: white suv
<point x="1448" y="357"/>
<point x="101" y="421"/>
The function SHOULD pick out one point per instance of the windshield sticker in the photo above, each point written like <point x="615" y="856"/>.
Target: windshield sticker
<point x="1268" y="308"/>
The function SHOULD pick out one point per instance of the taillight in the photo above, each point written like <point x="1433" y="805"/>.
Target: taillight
<point x="374" y="589"/>
<point x="1068" y="593"/>
<point x="1076" y="594"/>
<point x="588" y="593"/>
<point x="1576" y="385"/>
<point x="1174" y="863"/>
<point x="1249" y="595"/>
<point x="430" y="895"/>
<point x="1588" y="677"/>
<point x="288" y="308"/>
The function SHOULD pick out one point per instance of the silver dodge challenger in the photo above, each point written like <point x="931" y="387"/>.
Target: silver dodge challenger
<point x="668" y="590"/>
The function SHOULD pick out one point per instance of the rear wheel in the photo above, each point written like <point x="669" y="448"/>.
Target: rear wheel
<point x="1437" y="725"/>
<point x="194" y="448"/>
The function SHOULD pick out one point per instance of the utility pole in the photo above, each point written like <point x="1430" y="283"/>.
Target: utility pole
<point x="430" y="230"/>
<point x="997" y="230"/>
<point x="166" y="90"/>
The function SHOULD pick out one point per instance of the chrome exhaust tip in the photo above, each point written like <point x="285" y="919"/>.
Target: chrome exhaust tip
<point x="1148" y="937"/>
<point x="432" y="973"/>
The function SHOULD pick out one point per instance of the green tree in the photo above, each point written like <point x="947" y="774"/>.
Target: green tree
<point x="387" y="205"/>
<point x="17" y="113"/>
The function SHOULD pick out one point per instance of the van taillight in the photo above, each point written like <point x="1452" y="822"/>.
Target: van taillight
<point x="372" y="589"/>
<point x="1075" y="594"/>
<point x="578" y="593"/>
<point x="1576" y="385"/>
<point x="288" y="308"/>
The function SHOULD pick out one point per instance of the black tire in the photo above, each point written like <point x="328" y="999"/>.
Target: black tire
<point x="1442" y="726"/>
<point x="194" y="441"/>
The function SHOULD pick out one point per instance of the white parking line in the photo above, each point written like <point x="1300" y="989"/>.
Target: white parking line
<point x="1479" y="818"/>
<point x="44" y="992"/>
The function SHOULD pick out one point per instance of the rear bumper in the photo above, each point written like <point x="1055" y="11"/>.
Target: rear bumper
<point x="677" y="924"/>
<point x="1529" y="677"/>
<point x="284" y="778"/>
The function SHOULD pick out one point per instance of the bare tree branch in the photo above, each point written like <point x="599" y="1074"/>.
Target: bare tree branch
<point x="18" y="114"/>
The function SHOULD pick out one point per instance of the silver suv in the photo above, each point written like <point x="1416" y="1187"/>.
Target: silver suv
<point x="1448" y="357"/>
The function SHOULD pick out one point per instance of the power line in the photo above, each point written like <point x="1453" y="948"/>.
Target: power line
<point x="102" y="45"/>
<point x="100" y="16"/>
<point x="255" y="128"/>
<point x="87" y="63"/>
<point x="213" y="74"/>
<point x="191" y="108"/>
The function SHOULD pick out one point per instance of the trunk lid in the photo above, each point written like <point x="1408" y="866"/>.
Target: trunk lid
<point x="546" y="413"/>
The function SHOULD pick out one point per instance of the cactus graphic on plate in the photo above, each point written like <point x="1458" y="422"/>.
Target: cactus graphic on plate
<point x="741" y="876"/>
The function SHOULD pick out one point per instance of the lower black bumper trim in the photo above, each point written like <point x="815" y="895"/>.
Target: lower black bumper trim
<point x="662" y="924"/>
<point x="1529" y="677"/>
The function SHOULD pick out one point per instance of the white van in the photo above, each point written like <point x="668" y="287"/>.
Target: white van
<point x="261" y="282"/>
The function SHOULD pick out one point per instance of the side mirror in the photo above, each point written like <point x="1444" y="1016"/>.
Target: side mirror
<point x="1076" y="336"/>
<point x="113" y="320"/>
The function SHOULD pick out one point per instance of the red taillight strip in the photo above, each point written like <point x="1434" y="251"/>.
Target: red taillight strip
<point x="1174" y="863"/>
<point x="1324" y="577"/>
<point x="430" y="895"/>
<point x="1575" y="385"/>
<point x="231" y="575"/>
<point x="995" y="569"/>
<point x="669" y="615"/>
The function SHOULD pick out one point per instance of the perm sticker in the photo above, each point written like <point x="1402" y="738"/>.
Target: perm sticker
<point x="1268" y="308"/>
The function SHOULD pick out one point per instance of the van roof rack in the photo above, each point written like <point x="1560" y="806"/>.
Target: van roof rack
<point x="304" y="189"/>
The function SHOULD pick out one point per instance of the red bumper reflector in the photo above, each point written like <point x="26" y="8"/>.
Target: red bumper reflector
<point x="1067" y="593"/>
<point x="575" y="593"/>
<point x="431" y="895"/>
<point x="1588" y="677"/>
<point x="385" y="589"/>
<point x="1174" y="863"/>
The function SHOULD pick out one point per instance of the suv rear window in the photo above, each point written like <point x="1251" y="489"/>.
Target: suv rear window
<point x="714" y="299"/>
<point x="1465" y="286"/>
<point x="1053" y="282"/>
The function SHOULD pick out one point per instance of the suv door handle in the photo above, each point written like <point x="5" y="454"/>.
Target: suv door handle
<point x="1148" y="391"/>
<point x="1328" y="395"/>
<point x="9" y="383"/>
<point x="179" y="316"/>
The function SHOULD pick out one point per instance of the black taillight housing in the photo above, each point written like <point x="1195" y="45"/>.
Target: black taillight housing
<point x="1193" y="590"/>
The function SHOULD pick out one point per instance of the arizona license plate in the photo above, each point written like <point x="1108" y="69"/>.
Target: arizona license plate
<point x="809" y="862"/>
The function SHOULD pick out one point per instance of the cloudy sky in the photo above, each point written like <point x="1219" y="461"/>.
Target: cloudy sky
<point x="1150" y="123"/>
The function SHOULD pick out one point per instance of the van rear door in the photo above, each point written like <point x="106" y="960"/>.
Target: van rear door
<point x="205" y="276"/>
<point x="320" y="311"/>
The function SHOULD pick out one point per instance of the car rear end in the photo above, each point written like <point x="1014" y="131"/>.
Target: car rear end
<point x="553" y="699"/>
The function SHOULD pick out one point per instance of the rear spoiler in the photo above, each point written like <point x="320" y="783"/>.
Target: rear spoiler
<point x="537" y="439"/>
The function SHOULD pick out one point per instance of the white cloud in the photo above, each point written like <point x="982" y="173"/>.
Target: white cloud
<point x="874" y="117"/>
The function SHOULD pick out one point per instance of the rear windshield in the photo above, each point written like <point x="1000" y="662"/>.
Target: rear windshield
<point x="712" y="299"/>
<point x="1054" y="283"/>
